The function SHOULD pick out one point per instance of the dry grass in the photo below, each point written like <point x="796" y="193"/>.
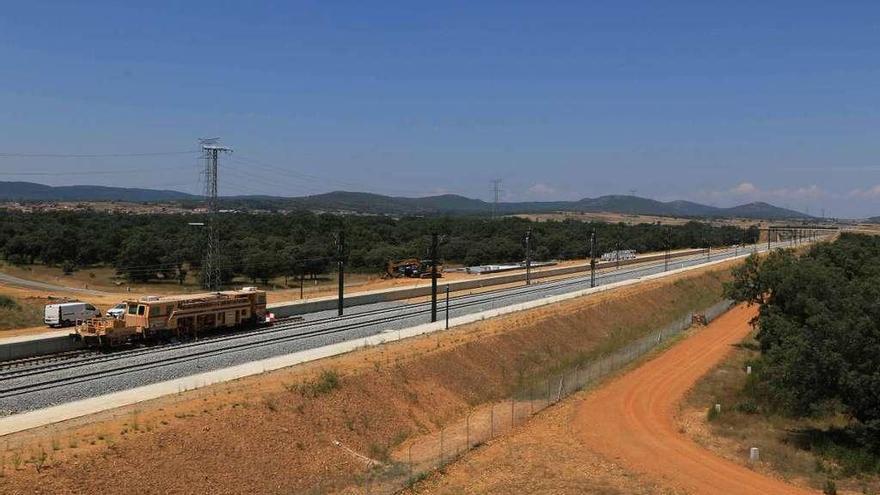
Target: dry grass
<point x="18" y="312"/>
<point x="783" y="442"/>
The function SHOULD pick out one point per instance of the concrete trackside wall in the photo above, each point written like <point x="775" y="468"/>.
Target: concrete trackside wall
<point x="18" y="349"/>
<point x="284" y="309"/>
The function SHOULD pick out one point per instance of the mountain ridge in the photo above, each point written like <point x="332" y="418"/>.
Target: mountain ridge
<point x="372" y="203"/>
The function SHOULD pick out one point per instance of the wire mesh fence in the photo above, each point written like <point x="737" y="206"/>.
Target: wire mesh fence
<point x="416" y="458"/>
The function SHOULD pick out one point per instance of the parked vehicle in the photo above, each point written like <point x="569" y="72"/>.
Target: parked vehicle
<point x="117" y="311"/>
<point x="66" y="314"/>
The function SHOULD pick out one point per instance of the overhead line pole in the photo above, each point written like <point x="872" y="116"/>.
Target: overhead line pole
<point x="666" y="258"/>
<point x="434" y="242"/>
<point x="617" y="250"/>
<point x="340" y="264"/>
<point x="529" y="256"/>
<point x="593" y="258"/>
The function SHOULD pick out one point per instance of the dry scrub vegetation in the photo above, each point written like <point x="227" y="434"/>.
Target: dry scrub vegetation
<point x="16" y="312"/>
<point x="787" y="445"/>
<point x="278" y="433"/>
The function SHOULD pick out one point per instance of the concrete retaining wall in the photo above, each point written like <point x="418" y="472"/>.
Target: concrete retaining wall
<point x="37" y="345"/>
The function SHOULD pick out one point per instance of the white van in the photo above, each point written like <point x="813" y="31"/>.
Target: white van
<point x="59" y="315"/>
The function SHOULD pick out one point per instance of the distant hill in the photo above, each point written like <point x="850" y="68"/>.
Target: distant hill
<point x="377" y="204"/>
<point x="29" y="191"/>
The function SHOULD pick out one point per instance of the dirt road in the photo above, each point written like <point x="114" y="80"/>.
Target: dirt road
<point x="631" y="420"/>
<point x="6" y="279"/>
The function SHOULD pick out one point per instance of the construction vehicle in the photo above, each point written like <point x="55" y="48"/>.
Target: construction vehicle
<point x="411" y="268"/>
<point x="156" y="318"/>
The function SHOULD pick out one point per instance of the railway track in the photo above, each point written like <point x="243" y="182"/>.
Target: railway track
<point x="50" y="363"/>
<point x="47" y="358"/>
<point x="35" y="377"/>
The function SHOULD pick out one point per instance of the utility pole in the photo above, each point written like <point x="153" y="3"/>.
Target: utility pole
<point x="769" y="230"/>
<point x="434" y="277"/>
<point x="340" y="266"/>
<point x="496" y="189"/>
<point x="593" y="258"/>
<point x="211" y="265"/>
<point x="529" y="256"/>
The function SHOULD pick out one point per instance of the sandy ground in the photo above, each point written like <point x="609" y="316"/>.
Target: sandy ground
<point x="632" y="419"/>
<point x="541" y="456"/>
<point x="620" y="438"/>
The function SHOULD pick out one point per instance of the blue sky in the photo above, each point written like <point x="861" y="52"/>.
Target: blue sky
<point x="718" y="102"/>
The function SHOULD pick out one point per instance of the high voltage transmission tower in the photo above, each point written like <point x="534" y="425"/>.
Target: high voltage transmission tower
<point x="211" y="266"/>
<point x="496" y="189"/>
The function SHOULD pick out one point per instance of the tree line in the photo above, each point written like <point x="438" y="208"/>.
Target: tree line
<point x="819" y="333"/>
<point x="265" y="246"/>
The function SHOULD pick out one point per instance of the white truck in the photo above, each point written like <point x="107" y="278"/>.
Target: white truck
<point x="65" y="314"/>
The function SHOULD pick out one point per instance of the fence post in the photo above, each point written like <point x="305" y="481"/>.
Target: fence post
<point x="492" y="422"/>
<point x="467" y="433"/>
<point x="512" y="412"/>
<point x="410" y="462"/>
<point x="441" y="446"/>
<point x="559" y="390"/>
<point x="532" y="401"/>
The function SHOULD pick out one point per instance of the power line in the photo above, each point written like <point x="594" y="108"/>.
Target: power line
<point x="95" y="155"/>
<point x="95" y="172"/>
<point x="301" y="176"/>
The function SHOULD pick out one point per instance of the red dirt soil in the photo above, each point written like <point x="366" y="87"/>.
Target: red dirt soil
<point x="632" y="419"/>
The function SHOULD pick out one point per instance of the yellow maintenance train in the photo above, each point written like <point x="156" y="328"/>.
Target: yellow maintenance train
<point x="155" y="317"/>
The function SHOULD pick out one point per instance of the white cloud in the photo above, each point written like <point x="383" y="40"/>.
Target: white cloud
<point x="541" y="190"/>
<point x="744" y="188"/>
<point x="870" y="193"/>
<point x="748" y="191"/>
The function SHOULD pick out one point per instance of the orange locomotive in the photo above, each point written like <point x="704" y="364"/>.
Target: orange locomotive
<point x="154" y="317"/>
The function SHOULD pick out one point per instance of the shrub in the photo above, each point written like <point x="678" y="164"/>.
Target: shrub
<point x="7" y="302"/>
<point x="712" y="413"/>
<point x="326" y="382"/>
<point x="747" y="407"/>
<point x="830" y="487"/>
